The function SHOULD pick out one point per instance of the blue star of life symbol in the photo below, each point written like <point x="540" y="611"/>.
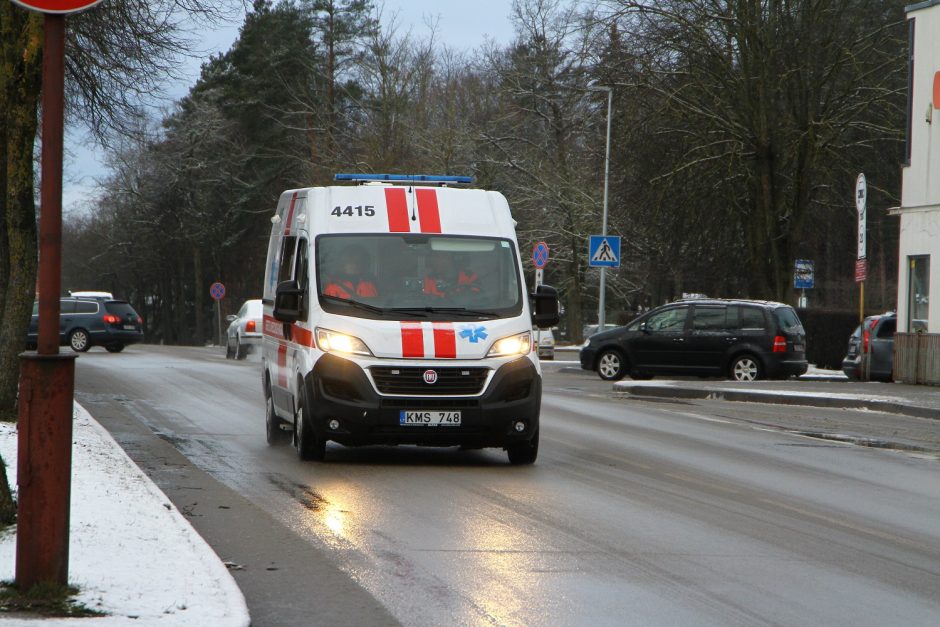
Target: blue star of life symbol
<point x="474" y="334"/>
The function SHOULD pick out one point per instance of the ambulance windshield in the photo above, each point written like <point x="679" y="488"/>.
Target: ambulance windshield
<point x="404" y="276"/>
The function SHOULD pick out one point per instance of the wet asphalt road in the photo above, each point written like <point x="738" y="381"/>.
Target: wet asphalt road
<point x="636" y="513"/>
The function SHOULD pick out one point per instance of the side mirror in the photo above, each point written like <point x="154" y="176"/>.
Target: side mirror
<point x="231" y="318"/>
<point x="287" y="302"/>
<point x="644" y="328"/>
<point x="544" y="306"/>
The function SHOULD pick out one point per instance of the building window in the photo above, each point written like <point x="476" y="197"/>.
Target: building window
<point x="918" y="293"/>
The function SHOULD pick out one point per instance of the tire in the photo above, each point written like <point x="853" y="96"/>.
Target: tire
<point x="79" y="340"/>
<point x="524" y="453"/>
<point x="746" y="367"/>
<point x="229" y="353"/>
<point x="114" y="348"/>
<point x="611" y="365"/>
<point x="309" y="446"/>
<point x="273" y="432"/>
<point x="240" y="352"/>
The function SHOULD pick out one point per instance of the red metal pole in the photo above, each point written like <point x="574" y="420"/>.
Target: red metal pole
<point x="50" y="193"/>
<point x="47" y="379"/>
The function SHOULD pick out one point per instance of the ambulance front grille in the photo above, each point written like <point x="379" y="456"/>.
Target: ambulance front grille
<point x="450" y="381"/>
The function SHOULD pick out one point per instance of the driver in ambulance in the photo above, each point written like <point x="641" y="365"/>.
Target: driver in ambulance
<point x="349" y="279"/>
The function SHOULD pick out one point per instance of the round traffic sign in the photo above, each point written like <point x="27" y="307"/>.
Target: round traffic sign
<point x="217" y="291"/>
<point x="540" y="254"/>
<point x="56" y="6"/>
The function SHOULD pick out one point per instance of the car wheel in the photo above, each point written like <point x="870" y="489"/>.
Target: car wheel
<point x="229" y="353"/>
<point x="239" y="350"/>
<point x="274" y="434"/>
<point x="78" y="340"/>
<point x="524" y="453"/>
<point x="746" y="368"/>
<point x="114" y="348"/>
<point x="611" y="365"/>
<point x="308" y="445"/>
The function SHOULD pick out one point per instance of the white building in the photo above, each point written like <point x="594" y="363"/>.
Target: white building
<point x="920" y="184"/>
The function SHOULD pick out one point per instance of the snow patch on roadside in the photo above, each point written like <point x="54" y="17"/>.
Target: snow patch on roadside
<point x="132" y="554"/>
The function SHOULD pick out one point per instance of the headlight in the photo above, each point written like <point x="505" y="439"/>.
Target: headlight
<point x="513" y="345"/>
<point x="333" y="342"/>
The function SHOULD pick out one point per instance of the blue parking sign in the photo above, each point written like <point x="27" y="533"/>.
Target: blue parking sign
<point x="804" y="272"/>
<point x="604" y="251"/>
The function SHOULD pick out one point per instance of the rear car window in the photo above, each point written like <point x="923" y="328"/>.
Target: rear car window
<point x="887" y="328"/>
<point x="86" y="307"/>
<point x="119" y="308"/>
<point x="787" y="318"/>
<point x="714" y="318"/>
<point x="752" y="318"/>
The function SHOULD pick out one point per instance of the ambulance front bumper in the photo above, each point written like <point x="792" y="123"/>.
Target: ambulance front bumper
<point x="345" y="397"/>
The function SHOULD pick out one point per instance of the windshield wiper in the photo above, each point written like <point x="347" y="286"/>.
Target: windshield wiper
<point x="460" y="311"/>
<point x="355" y="303"/>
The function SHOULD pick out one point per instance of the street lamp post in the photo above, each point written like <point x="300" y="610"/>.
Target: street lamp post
<point x="602" y="299"/>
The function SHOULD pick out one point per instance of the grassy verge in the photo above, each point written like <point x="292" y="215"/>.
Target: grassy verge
<point x="42" y="600"/>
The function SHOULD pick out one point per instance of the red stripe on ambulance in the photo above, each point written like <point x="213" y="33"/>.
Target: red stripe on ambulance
<point x="290" y="214"/>
<point x="282" y="365"/>
<point x="397" y="210"/>
<point x="412" y="339"/>
<point x="428" y="212"/>
<point x="445" y="341"/>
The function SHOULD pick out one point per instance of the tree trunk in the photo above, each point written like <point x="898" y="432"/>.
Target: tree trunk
<point x="20" y="79"/>
<point x="198" y="297"/>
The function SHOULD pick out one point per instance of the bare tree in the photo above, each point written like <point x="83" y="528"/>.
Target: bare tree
<point x="772" y="101"/>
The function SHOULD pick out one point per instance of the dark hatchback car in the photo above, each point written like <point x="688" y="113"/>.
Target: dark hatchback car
<point x="873" y="340"/>
<point x="741" y="339"/>
<point x="87" y="322"/>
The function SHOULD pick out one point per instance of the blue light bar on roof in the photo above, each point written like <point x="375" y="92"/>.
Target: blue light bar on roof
<point x="405" y="178"/>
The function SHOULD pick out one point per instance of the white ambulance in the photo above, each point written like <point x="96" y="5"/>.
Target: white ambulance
<point x="395" y="312"/>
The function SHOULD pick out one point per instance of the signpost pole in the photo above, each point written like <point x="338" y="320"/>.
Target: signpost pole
<point x="47" y="379"/>
<point x="861" y="200"/>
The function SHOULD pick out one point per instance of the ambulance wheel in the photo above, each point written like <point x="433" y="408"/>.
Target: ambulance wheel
<point x="274" y="434"/>
<point x="309" y="446"/>
<point x="524" y="453"/>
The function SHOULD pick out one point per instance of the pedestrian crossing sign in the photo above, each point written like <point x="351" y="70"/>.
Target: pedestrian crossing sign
<point x="604" y="251"/>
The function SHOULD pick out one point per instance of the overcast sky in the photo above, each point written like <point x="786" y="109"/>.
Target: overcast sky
<point x="459" y="25"/>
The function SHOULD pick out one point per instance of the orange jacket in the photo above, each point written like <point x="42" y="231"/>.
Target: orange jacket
<point x="465" y="283"/>
<point x="343" y="288"/>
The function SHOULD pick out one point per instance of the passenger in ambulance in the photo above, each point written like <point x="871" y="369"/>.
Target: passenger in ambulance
<point x="444" y="280"/>
<point x="349" y="278"/>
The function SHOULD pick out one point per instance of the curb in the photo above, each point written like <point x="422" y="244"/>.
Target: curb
<point x="764" y="396"/>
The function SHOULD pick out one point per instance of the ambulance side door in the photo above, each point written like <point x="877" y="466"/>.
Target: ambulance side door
<point x="280" y="373"/>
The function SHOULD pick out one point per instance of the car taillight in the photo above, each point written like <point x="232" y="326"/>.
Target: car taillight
<point x="140" y="321"/>
<point x="866" y="340"/>
<point x="780" y="344"/>
<point x="111" y="319"/>
<point x="250" y="326"/>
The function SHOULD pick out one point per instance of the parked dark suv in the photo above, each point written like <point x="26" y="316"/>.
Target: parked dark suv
<point x="741" y="339"/>
<point x="87" y="322"/>
<point x="875" y="340"/>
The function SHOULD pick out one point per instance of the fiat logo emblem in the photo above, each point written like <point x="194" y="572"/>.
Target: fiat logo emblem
<point x="430" y="377"/>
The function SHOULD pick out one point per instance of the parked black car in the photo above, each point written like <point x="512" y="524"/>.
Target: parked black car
<point x="874" y="338"/>
<point x="741" y="339"/>
<point x="87" y="322"/>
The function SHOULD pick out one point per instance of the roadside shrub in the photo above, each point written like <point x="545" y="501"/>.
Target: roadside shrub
<point x="827" y="335"/>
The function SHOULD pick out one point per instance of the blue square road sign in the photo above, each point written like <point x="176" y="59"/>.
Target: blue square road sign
<point x="604" y="251"/>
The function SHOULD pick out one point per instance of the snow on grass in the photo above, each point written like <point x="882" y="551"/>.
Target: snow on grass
<point x="132" y="554"/>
